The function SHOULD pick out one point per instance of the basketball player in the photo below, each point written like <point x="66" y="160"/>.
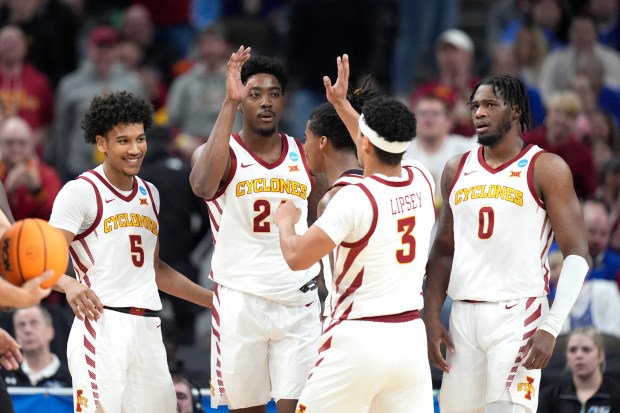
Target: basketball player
<point x="331" y="151"/>
<point x="507" y="200"/>
<point x="372" y="354"/>
<point x="109" y="217"/>
<point x="265" y="317"/>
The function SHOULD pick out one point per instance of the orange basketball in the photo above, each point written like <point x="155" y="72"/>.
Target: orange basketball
<point x="30" y="247"/>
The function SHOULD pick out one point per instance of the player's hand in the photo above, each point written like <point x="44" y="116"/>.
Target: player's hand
<point x="83" y="301"/>
<point x="35" y="293"/>
<point x="538" y="350"/>
<point x="337" y="93"/>
<point x="286" y="214"/>
<point x="10" y="356"/>
<point x="235" y="90"/>
<point x="436" y="335"/>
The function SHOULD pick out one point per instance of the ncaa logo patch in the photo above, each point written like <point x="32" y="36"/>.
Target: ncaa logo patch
<point x="522" y="163"/>
<point x="142" y="190"/>
<point x="293" y="156"/>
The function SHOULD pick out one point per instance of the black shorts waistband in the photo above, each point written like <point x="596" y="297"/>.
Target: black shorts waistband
<point x="142" y="312"/>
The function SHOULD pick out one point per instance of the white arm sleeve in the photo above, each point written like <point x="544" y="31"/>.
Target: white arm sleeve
<point x="574" y="271"/>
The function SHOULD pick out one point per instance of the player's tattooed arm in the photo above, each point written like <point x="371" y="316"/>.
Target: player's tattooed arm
<point x="438" y="273"/>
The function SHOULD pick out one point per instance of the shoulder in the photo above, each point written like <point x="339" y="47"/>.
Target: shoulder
<point x="78" y="187"/>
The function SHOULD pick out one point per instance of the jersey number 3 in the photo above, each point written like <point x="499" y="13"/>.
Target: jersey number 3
<point x="406" y="255"/>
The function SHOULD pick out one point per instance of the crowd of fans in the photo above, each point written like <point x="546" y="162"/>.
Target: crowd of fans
<point x="55" y="55"/>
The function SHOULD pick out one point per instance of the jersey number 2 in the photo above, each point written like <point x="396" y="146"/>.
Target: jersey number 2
<point x="261" y="221"/>
<point x="406" y="255"/>
<point x="137" y="252"/>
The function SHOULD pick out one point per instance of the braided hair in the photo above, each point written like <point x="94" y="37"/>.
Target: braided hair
<point x="512" y="91"/>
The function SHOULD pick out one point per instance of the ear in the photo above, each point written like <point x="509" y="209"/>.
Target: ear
<point x="101" y="143"/>
<point x="323" y="142"/>
<point x="366" y="145"/>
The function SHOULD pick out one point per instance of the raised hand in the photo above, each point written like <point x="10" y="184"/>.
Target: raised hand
<point x="235" y="89"/>
<point x="337" y="93"/>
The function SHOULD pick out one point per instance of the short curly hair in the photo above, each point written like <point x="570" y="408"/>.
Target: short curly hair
<point x="392" y="120"/>
<point x="264" y="64"/>
<point x="109" y="110"/>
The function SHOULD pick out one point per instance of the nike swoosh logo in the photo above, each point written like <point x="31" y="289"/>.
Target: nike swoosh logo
<point x="107" y="201"/>
<point x="243" y="165"/>
<point x="508" y="307"/>
<point x="468" y="173"/>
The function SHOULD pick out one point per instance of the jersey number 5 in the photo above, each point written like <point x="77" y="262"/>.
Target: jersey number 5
<point x="137" y="252"/>
<point x="406" y="255"/>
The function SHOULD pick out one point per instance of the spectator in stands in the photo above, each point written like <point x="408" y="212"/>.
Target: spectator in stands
<point x="608" y="191"/>
<point x="45" y="51"/>
<point x="530" y="48"/>
<point x="101" y="70"/>
<point x="30" y="184"/>
<point x="504" y="62"/>
<point x="557" y="135"/>
<point x="455" y="80"/>
<point x="587" y="389"/>
<point x="607" y="17"/>
<point x="196" y="97"/>
<point x="157" y="54"/>
<point x="40" y="367"/>
<point x="24" y="91"/>
<point x="186" y="402"/>
<point x="598" y="303"/>
<point x="560" y="66"/>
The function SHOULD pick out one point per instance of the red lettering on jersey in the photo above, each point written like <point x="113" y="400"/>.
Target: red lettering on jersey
<point x="527" y="387"/>
<point x="515" y="174"/>
<point x="293" y="168"/>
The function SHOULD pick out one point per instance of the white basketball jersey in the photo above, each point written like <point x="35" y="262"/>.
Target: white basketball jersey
<point x="348" y="178"/>
<point x="381" y="273"/>
<point x="247" y="255"/>
<point x="114" y="257"/>
<point x="502" y="231"/>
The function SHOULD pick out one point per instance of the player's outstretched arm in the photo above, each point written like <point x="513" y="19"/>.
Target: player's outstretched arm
<point x="337" y="96"/>
<point x="10" y="355"/>
<point x="174" y="283"/>
<point x="554" y="181"/>
<point x="300" y="251"/>
<point x="211" y="161"/>
<point x="29" y="294"/>
<point x="438" y="273"/>
<point x="83" y="300"/>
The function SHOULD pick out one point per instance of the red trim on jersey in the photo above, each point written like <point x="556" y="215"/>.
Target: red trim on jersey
<point x="229" y="178"/>
<point x="99" y="210"/>
<point x="281" y="159"/>
<point x="459" y="169"/>
<point x="148" y="189"/>
<point x="304" y="160"/>
<point x="77" y="261"/>
<point x="90" y="328"/>
<point x="214" y="223"/>
<point x="406" y="182"/>
<point x="326" y="345"/>
<point x="127" y="198"/>
<point x="342" y="180"/>
<point x="355" y="285"/>
<point x="534" y="316"/>
<point x="430" y="186"/>
<point x="394" y="318"/>
<point x="353" y="253"/>
<point x="87" y="251"/>
<point x="529" y="302"/>
<point x="530" y="180"/>
<point x="503" y="166"/>
<point x="373" y="225"/>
